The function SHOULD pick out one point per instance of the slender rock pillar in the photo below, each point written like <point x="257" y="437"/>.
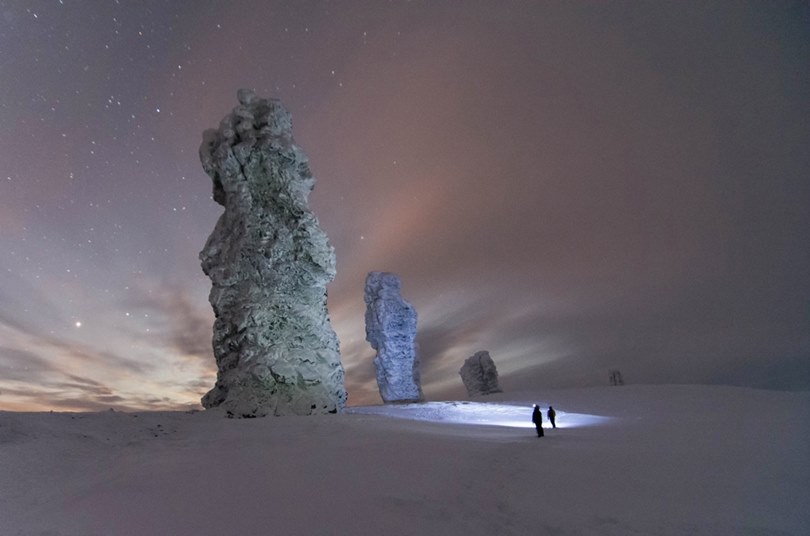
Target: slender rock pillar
<point x="391" y="329"/>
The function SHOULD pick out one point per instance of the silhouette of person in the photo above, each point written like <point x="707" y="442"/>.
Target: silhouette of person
<point x="551" y="416"/>
<point x="537" y="419"/>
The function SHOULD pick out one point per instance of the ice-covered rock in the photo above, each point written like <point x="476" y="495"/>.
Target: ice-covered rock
<point x="269" y="264"/>
<point x="391" y="329"/>
<point x="479" y="374"/>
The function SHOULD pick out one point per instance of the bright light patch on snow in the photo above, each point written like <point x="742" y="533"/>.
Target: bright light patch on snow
<point x="480" y="413"/>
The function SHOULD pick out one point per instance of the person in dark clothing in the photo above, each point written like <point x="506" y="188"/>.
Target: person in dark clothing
<point x="537" y="419"/>
<point x="551" y="416"/>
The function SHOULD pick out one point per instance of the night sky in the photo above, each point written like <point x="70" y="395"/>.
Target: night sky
<point x="575" y="187"/>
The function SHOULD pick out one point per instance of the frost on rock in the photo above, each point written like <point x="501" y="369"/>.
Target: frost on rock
<point x="479" y="375"/>
<point x="391" y="329"/>
<point x="269" y="264"/>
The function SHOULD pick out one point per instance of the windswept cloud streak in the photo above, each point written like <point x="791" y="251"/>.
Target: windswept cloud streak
<point x="42" y="370"/>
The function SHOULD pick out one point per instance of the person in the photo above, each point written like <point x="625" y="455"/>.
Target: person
<point x="537" y="419"/>
<point x="551" y="416"/>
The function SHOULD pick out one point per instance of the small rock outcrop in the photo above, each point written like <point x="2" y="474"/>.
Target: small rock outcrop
<point x="479" y="374"/>
<point x="391" y="330"/>
<point x="269" y="264"/>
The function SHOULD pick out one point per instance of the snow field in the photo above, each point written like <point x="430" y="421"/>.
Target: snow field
<point x="664" y="460"/>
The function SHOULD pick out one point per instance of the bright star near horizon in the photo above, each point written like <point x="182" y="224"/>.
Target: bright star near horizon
<point x="78" y="324"/>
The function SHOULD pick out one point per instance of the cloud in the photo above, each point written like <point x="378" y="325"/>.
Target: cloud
<point x="31" y="381"/>
<point x="62" y="372"/>
<point x="46" y="399"/>
<point x="181" y="326"/>
<point x="23" y="366"/>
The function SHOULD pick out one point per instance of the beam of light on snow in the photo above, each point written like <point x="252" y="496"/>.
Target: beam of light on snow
<point x="481" y="413"/>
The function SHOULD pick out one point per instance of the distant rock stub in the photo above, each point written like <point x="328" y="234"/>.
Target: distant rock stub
<point x="391" y="330"/>
<point x="479" y="374"/>
<point x="269" y="264"/>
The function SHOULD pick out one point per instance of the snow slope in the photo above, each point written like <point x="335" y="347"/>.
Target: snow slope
<point x="630" y="460"/>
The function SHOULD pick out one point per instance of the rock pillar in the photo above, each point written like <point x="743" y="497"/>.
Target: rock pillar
<point x="391" y="330"/>
<point x="479" y="374"/>
<point x="269" y="264"/>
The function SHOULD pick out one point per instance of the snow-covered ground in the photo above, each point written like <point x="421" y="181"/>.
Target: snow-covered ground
<point x="632" y="460"/>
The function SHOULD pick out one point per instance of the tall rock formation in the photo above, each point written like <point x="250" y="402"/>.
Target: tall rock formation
<point x="269" y="264"/>
<point x="479" y="374"/>
<point x="391" y="329"/>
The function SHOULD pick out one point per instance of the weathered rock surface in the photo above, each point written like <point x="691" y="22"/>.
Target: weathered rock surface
<point x="391" y="330"/>
<point x="479" y="374"/>
<point x="269" y="264"/>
